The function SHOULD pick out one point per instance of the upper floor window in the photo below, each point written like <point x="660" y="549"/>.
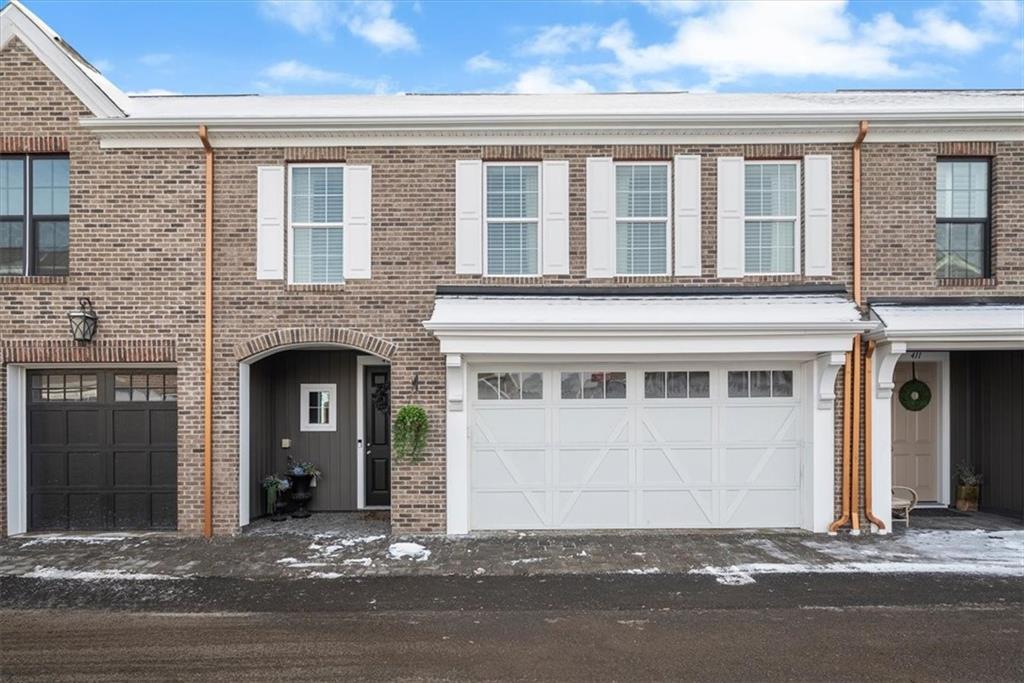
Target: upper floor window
<point x="962" y="218"/>
<point x="316" y="223"/>
<point x="641" y="218"/>
<point x="34" y="201"/>
<point x="512" y="216"/>
<point x="771" y="217"/>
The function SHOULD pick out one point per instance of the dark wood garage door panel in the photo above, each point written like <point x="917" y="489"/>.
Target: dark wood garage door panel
<point x="103" y="458"/>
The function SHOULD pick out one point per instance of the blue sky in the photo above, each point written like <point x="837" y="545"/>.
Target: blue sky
<point x="302" y="46"/>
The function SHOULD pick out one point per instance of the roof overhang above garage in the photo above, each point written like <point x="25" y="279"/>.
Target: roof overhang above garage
<point x="940" y="325"/>
<point x="643" y="322"/>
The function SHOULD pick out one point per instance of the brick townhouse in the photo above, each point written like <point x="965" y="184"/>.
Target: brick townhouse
<point x="618" y="311"/>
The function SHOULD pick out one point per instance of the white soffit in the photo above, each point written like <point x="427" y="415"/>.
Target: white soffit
<point x="102" y="97"/>
<point x="994" y="325"/>
<point x="640" y="324"/>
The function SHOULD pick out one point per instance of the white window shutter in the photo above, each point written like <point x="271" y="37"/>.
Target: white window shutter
<point x="818" y="214"/>
<point x="270" y="223"/>
<point x="469" y="217"/>
<point x="730" y="216"/>
<point x="687" y="214"/>
<point x="555" y="218"/>
<point x="357" y="236"/>
<point x="600" y="217"/>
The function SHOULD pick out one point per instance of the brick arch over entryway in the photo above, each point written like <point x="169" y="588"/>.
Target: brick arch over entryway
<point x="293" y="336"/>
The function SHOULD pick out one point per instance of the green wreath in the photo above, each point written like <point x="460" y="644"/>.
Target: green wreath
<point x="915" y="395"/>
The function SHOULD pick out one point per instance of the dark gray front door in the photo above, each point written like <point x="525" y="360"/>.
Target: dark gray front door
<point x="377" y="435"/>
<point x="102" y="449"/>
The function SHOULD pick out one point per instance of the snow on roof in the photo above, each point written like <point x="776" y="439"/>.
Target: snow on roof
<point x="638" y="313"/>
<point x="873" y="104"/>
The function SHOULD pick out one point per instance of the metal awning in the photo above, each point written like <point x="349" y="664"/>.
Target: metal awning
<point x="960" y="326"/>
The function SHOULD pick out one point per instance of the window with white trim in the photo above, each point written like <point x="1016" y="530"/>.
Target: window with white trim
<point x="316" y="223"/>
<point x="962" y="226"/>
<point x="641" y="218"/>
<point x="771" y="217"/>
<point x="35" y="200"/>
<point x="318" y="407"/>
<point x="512" y="219"/>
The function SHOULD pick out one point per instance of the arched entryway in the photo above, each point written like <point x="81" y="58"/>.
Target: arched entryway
<point x="319" y="395"/>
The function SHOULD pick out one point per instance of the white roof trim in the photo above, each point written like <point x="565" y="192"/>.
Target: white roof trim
<point x="645" y="325"/>
<point x="101" y="96"/>
<point x="965" y="326"/>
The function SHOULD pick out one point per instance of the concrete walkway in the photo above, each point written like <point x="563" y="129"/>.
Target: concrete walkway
<point x="365" y="548"/>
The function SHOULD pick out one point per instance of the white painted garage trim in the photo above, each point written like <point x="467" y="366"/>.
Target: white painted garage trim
<point x="17" y="451"/>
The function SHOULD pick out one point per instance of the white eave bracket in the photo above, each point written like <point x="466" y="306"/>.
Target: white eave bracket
<point x="886" y="357"/>
<point x="828" y="367"/>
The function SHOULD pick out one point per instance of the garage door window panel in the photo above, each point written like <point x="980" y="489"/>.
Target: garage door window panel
<point x="760" y="383"/>
<point x="593" y="385"/>
<point x="64" y="387"/>
<point x="509" y="386"/>
<point x="677" y="384"/>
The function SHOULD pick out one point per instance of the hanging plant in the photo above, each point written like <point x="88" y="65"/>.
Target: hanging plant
<point x="410" y="435"/>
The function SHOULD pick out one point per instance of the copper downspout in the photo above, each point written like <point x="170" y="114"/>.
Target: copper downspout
<point x="849" y="470"/>
<point x="855" y="445"/>
<point x="868" y="509"/>
<point x="208" y="344"/>
<point x="844" y="517"/>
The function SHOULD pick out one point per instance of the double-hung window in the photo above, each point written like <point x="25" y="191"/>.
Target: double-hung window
<point x="962" y="218"/>
<point x="771" y="217"/>
<point x="316" y="223"/>
<point x="34" y="208"/>
<point x="641" y="218"/>
<point x="512" y="216"/>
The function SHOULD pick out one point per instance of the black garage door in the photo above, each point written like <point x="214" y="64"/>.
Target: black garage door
<point x="102" y="449"/>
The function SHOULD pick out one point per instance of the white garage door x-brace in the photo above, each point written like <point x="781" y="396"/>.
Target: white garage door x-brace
<point x="653" y="459"/>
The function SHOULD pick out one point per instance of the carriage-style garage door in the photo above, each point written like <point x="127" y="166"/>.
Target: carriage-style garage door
<point x="635" y="447"/>
<point x="102" y="449"/>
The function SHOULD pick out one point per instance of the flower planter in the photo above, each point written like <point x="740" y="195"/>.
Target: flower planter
<point x="967" y="498"/>
<point x="301" y="492"/>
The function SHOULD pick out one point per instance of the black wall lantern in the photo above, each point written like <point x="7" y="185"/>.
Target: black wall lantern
<point x="83" y="321"/>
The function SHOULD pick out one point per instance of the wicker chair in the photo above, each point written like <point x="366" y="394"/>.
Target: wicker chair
<point x="904" y="499"/>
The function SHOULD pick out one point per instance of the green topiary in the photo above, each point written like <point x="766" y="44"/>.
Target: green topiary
<point x="410" y="436"/>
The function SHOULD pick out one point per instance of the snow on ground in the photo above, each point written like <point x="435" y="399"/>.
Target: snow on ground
<point x="641" y="571"/>
<point x="413" y="551"/>
<point x="977" y="552"/>
<point x="91" y="539"/>
<point x="330" y="549"/>
<point x="94" y="575"/>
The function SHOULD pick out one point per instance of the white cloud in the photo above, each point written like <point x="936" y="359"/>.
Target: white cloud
<point x="373" y="22"/>
<point x="560" y="39"/>
<point x="155" y="59"/>
<point x="733" y="40"/>
<point x="673" y="8"/>
<point x="293" y="71"/>
<point x="308" y="17"/>
<point x="484" y="63"/>
<point x="933" y="30"/>
<point x="103" y="65"/>
<point x="152" y="92"/>
<point x="542" y="79"/>
<point x="1008" y="13"/>
<point x="370" y="20"/>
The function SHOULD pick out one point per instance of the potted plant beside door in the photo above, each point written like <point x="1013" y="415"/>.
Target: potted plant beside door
<point x="303" y="477"/>
<point x="968" y="487"/>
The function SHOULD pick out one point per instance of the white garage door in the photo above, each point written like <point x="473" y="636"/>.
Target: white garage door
<point x="635" y="447"/>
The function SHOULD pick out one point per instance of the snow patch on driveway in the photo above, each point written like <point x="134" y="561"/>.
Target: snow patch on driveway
<point x="92" y="539"/>
<point x="412" y="551"/>
<point x="53" y="573"/>
<point x="741" y="574"/>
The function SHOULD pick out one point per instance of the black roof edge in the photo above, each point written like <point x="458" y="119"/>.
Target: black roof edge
<point x="628" y="291"/>
<point x="945" y="300"/>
